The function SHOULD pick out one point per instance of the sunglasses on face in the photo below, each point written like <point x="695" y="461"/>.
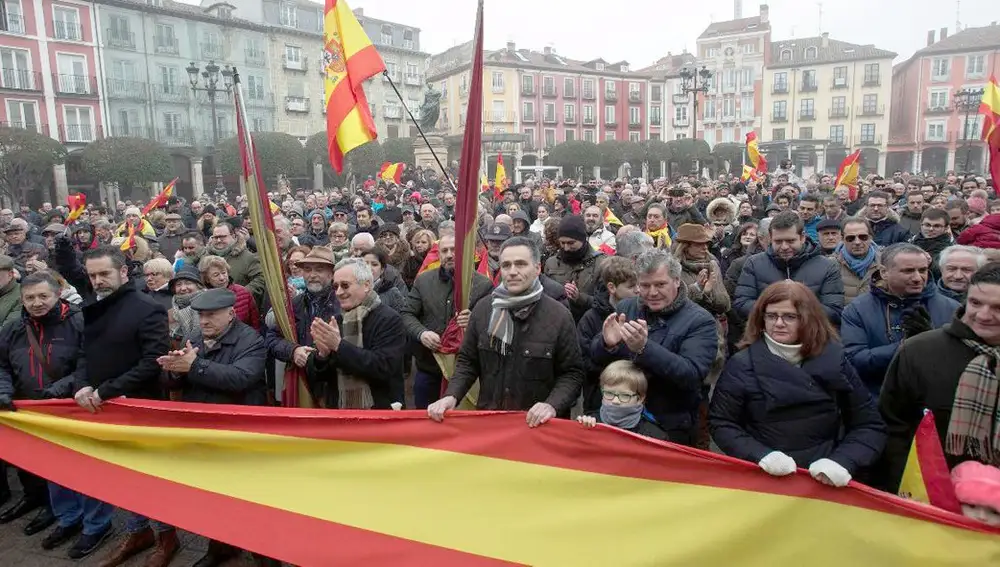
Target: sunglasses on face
<point x="853" y="237"/>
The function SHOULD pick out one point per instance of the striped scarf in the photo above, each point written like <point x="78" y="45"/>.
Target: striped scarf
<point x="974" y="428"/>
<point x="501" y="327"/>
<point x="353" y="392"/>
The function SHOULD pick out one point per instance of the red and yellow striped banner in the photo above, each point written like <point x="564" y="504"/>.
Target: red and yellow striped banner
<point x="319" y="488"/>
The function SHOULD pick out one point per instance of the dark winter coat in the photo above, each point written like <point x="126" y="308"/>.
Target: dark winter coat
<point x="170" y="244"/>
<point x="305" y="307"/>
<point x="889" y="232"/>
<point x="430" y="306"/>
<point x="809" y="267"/>
<point x="231" y="372"/>
<point x="923" y="375"/>
<point x="910" y="221"/>
<point x="542" y="365"/>
<point x="60" y="337"/>
<point x="872" y="328"/>
<point x="390" y="295"/>
<point x="590" y="326"/>
<point x="378" y="361"/>
<point x="124" y="334"/>
<point x="162" y="296"/>
<point x="683" y="342"/>
<point x="821" y="410"/>
<point x="586" y="276"/>
<point x="10" y="302"/>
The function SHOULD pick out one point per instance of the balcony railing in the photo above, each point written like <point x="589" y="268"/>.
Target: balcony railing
<point x="807" y="115"/>
<point x="874" y="81"/>
<point x="255" y="57"/>
<point x="176" y="136"/>
<point x="68" y="31"/>
<point x="166" y="92"/>
<point x="945" y="138"/>
<point x="838" y="141"/>
<point x="589" y="120"/>
<point x="839" y="83"/>
<point x="498" y="88"/>
<point x="395" y="112"/>
<point x="779" y="117"/>
<point x="569" y="120"/>
<point x="75" y="85"/>
<point x="871" y="110"/>
<point x="681" y="122"/>
<point x="498" y="116"/>
<point x="746" y="88"/>
<point x="655" y="121"/>
<point x="79" y="133"/>
<point x="528" y="89"/>
<point x="838" y="113"/>
<point x="808" y="87"/>
<point x="779" y="88"/>
<point x="528" y="117"/>
<point x="549" y="119"/>
<point x="940" y="109"/>
<point x="610" y="95"/>
<point x="33" y="126"/>
<point x="612" y="121"/>
<point x="868" y="141"/>
<point x="634" y="123"/>
<point x="298" y="64"/>
<point x="211" y="50"/>
<point x="15" y="24"/>
<point x="167" y="44"/>
<point x="297" y="104"/>
<point x="121" y="39"/>
<point x="589" y="95"/>
<point x="634" y="96"/>
<point x="129" y="90"/>
<point x="549" y="92"/>
<point x="681" y="98"/>
<point x="407" y="44"/>
<point x="412" y="80"/>
<point x="710" y="119"/>
<point x="129" y="131"/>
<point x="20" y="80"/>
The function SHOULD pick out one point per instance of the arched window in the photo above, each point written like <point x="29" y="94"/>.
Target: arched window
<point x="811" y="53"/>
<point x="786" y="55"/>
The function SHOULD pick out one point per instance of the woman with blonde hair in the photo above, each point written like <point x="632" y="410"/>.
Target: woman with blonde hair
<point x="790" y="398"/>
<point x="421" y="241"/>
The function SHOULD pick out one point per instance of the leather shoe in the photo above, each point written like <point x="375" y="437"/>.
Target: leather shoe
<point x="42" y="520"/>
<point x="4" y="496"/>
<point x="61" y="535"/>
<point x="129" y="546"/>
<point x="88" y="543"/>
<point x="218" y="553"/>
<point x="19" y="509"/>
<point x="167" y="545"/>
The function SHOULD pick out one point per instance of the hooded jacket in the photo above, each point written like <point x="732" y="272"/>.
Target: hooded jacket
<point x="60" y="337"/>
<point x="986" y="234"/>
<point x="888" y="231"/>
<point x="809" y="267"/>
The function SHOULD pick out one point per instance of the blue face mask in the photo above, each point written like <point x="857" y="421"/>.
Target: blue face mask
<point x="624" y="417"/>
<point x="298" y="283"/>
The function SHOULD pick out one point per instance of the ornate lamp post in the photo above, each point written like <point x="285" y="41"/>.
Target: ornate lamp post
<point x="212" y="87"/>
<point x="968" y="100"/>
<point x="692" y="84"/>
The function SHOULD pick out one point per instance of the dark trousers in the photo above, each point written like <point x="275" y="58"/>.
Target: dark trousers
<point x="426" y="389"/>
<point x="35" y="488"/>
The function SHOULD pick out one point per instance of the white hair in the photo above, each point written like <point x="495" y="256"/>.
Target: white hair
<point x="362" y="271"/>
<point x="363" y="239"/>
<point x="977" y="253"/>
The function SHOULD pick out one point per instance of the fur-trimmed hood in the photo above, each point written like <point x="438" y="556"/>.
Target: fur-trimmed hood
<point x="721" y="205"/>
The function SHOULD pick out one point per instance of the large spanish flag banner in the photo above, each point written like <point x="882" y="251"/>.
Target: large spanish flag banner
<point x="753" y="152"/>
<point x="926" y="477"/>
<point x="349" y="59"/>
<point x="321" y="488"/>
<point x="989" y="107"/>
<point x="295" y="393"/>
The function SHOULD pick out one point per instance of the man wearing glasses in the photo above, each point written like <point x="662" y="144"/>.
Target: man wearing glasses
<point x="857" y="258"/>
<point x="885" y="222"/>
<point x="934" y="236"/>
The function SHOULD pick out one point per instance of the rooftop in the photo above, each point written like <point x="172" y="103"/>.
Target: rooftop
<point x="670" y="65"/>
<point x="549" y="59"/>
<point x="826" y="51"/>
<point x="742" y="25"/>
<point x="969" y="39"/>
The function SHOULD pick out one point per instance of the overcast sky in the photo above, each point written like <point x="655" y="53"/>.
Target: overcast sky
<point x="640" y="31"/>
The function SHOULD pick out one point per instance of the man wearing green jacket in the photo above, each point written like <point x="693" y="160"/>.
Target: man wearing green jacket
<point x="10" y="292"/>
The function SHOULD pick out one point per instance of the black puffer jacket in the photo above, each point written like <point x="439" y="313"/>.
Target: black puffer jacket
<point x="809" y="267"/>
<point x="589" y="327"/>
<point x="60" y="336"/>
<point x="231" y="372"/>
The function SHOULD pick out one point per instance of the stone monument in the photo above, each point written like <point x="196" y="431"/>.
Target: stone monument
<point x="427" y="119"/>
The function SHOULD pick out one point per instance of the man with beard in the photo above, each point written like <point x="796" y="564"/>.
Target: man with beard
<point x="521" y="346"/>
<point x="576" y="266"/>
<point x="426" y="315"/>
<point x="884" y="221"/>
<point x="192" y="250"/>
<point x="244" y="266"/>
<point x="318" y="301"/>
<point x="636" y="214"/>
<point x="428" y="217"/>
<point x="911" y="215"/>
<point x="130" y="324"/>
<point x="957" y="265"/>
<point x="958" y="215"/>
<point x="933" y="236"/>
<point x="496" y="235"/>
<point x="599" y="237"/>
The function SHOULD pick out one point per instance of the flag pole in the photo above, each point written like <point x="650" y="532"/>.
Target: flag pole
<point x="419" y="129"/>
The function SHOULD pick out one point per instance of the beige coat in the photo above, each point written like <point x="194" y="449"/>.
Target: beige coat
<point x="853" y="285"/>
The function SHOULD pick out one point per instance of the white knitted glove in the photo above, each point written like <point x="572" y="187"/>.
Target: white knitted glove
<point x="777" y="463"/>
<point x="830" y="473"/>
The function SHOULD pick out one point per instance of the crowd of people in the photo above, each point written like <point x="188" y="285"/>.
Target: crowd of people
<point x="786" y="322"/>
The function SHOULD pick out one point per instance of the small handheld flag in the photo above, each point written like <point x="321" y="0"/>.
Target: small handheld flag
<point x="77" y="204"/>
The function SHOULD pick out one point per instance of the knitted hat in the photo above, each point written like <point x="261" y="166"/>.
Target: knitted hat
<point x="977" y="205"/>
<point x="133" y="211"/>
<point x="208" y="209"/>
<point x="977" y="484"/>
<point x="572" y="226"/>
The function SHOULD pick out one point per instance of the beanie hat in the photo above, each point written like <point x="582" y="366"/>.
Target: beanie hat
<point x="208" y="209"/>
<point x="977" y="484"/>
<point x="977" y="205"/>
<point x="133" y="211"/>
<point x="572" y="226"/>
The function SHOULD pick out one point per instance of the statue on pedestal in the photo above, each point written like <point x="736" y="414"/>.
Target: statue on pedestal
<point x="430" y="109"/>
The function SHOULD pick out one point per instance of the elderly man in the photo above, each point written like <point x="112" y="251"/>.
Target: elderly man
<point x="522" y="346"/>
<point x="830" y="236"/>
<point x="170" y="240"/>
<point x="10" y="291"/>
<point x="903" y="302"/>
<point x="222" y="364"/>
<point x="427" y="313"/>
<point x="361" y="356"/>
<point x="20" y="248"/>
<point x="670" y="338"/>
<point x="244" y="265"/>
<point x="885" y="222"/>
<point x="361" y="244"/>
<point x="630" y="242"/>
<point x="948" y="371"/>
<point x="957" y="264"/>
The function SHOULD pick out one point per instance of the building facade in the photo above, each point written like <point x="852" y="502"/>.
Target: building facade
<point x="823" y="99"/>
<point x="933" y="128"/>
<point x="669" y="108"/>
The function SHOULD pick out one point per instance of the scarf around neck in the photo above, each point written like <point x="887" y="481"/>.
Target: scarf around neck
<point x="859" y="266"/>
<point x="622" y="417"/>
<point x="501" y="326"/>
<point x="355" y="393"/>
<point x="974" y="427"/>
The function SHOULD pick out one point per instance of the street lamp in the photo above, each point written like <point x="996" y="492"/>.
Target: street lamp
<point x="691" y="84"/>
<point x="210" y="79"/>
<point x="968" y="100"/>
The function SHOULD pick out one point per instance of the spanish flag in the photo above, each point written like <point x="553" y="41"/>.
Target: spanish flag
<point x="432" y="260"/>
<point x="610" y="218"/>
<point x="129" y="242"/>
<point x="77" y="204"/>
<point x="749" y="173"/>
<point x="847" y="174"/>
<point x="331" y="488"/>
<point x="161" y="199"/>
<point x="500" y="180"/>
<point x="391" y="172"/>
<point x="990" y="109"/>
<point x="349" y="59"/>
<point x="926" y="477"/>
<point x="484" y="183"/>
<point x="753" y="151"/>
<point x="275" y="209"/>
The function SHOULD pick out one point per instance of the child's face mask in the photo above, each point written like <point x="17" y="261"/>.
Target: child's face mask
<point x="984" y="514"/>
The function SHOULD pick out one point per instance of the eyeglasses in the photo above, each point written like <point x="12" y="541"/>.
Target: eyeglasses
<point x="786" y="317"/>
<point x="342" y="285"/>
<point x="624" y="398"/>
<point x="853" y="237"/>
<point x="932" y="226"/>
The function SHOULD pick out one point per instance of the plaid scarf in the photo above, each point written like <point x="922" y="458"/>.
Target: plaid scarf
<point x="501" y="327"/>
<point x="974" y="429"/>
<point x="353" y="392"/>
